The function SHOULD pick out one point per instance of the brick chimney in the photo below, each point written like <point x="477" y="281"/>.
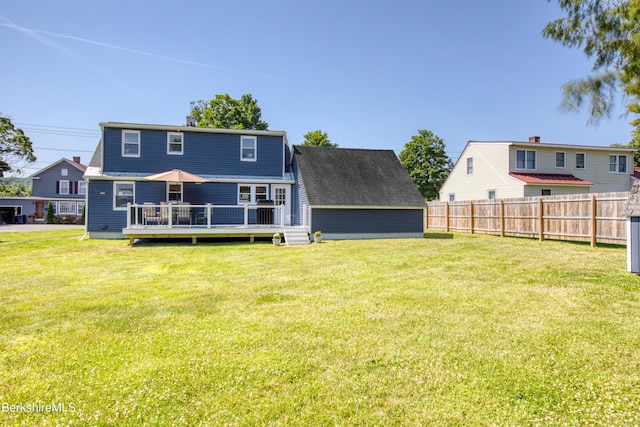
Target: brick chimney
<point x="76" y="159"/>
<point x="191" y="121"/>
<point x="534" y="139"/>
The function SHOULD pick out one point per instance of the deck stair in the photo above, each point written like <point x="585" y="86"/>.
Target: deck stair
<point x="296" y="236"/>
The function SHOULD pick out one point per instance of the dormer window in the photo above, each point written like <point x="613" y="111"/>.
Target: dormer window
<point x="130" y="143"/>
<point x="248" y="151"/>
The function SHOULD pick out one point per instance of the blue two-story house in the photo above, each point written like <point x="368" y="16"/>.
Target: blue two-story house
<point x="148" y="181"/>
<point x="238" y="182"/>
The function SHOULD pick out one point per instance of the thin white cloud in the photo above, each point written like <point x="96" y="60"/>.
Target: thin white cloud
<point x="38" y="35"/>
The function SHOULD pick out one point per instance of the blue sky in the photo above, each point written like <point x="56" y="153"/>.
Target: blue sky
<point x="369" y="73"/>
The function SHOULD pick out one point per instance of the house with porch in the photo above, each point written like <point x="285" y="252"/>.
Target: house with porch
<point x="507" y="169"/>
<point x="163" y="181"/>
<point x="60" y="183"/>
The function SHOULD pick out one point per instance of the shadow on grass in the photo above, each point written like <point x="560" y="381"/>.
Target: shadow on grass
<point x="220" y="241"/>
<point x="441" y="236"/>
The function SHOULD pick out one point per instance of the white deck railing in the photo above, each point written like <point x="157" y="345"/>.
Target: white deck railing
<point x="204" y="216"/>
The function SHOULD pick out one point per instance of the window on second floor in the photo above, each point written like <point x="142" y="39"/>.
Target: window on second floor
<point x="130" y="143"/>
<point x="581" y="161"/>
<point x="174" y="143"/>
<point x="526" y="159"/>
<point x="561" y="162"/>
<point x="82" y="188"/>
<point x="618" y="164"/>
<point x="470" y="166"/>
<point x="248" y="150"/>
<point x="63" y="187"/>
<point x="64" y="172"/>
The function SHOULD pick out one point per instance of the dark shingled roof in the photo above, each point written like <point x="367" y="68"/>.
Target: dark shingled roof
<point x="632" y="206"/>
<point x="355" y="177"/>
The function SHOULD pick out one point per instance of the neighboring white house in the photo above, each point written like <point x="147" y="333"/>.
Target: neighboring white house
<point x="505" y="169"/>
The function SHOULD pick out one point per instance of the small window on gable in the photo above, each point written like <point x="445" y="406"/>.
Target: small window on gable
<point x="64" y="172"/>
<point x="470" y="166"/>
<point x="581" y="161"/>
<point x="561" y="160"/>
<point x="130" y="143"/>
<point x="248" y="150"/>
<point x="175" y="143"/>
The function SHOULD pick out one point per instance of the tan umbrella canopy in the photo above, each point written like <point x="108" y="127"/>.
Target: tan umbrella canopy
<point x="176" y="175"/>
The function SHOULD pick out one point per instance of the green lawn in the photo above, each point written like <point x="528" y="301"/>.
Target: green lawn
<point x="448" y="330"/>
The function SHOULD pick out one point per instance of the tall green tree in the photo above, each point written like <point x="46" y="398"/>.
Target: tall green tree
<point x="14" y="147"/>
<point x="317" y="138"/>
<point x="226" y="112"/>
<point x="608" y="32"/>
<point x="425" y="159"/>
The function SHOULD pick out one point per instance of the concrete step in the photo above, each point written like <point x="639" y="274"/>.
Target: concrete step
<point x="296" y="237"/>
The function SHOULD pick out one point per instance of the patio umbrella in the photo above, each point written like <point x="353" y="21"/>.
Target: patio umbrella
<point x="176" y="175"/>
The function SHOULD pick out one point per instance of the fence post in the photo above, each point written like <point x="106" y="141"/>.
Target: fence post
<point x="426" y="217"/>
<point x="540" y="219"/>
<point x="594" y="223"/>
<point x="470" y="217"/>
<point x="501" y="213"/>
<point x="446" y="217"/>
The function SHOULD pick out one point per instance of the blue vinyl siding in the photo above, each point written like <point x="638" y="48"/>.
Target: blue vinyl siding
<point x="100" y="213"/>
<point x="45" y="186"/>
<point x="204" y="153"/>
<point x="354" y="221"/>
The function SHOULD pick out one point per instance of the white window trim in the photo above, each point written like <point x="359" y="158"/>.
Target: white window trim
<point x="175" y="153"/>
<point x="255" y="148"/>
<point x="70" y="208"/>
<point x="79" y="207"/>
<point x="169" y="184"/>
<point x="115" y="183"/>
<point x="125" y="131"/>
<point x="252" y="194"/>
<point x="555" y="159"/>
<point x="526" y="159"/>
<point x="585" y="161"/>
<point x="68" y="187"/>
<point x="64" y="172"/>
<point x="82" y="188"/>
<point x="469" y="163"/>
<point x="617" y="156"/>
<point x="494" y="194"/>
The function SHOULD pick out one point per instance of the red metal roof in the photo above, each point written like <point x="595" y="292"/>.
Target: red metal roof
<point x="549" y="179"/>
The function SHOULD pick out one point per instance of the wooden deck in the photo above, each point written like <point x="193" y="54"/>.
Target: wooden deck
<point x="195" y="233"/>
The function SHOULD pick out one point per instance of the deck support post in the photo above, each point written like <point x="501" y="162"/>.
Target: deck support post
<point x="208" y="213"/>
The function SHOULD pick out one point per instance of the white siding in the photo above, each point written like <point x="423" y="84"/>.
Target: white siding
<point x="490" y="161"/>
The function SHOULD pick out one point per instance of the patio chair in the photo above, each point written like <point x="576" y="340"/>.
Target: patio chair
<point x="149" y="214"/>
<point x="163" y="216"/>
<point x="184" y="213"/>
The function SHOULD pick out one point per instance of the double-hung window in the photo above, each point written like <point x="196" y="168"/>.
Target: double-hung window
<point x="175" y="143"/>
<point x="561" y="161"/>
<point x="469" y="165"/>
<point x="123" y="193"/>
<point x="248" y="148"/>
<point x="64" y="187"/>
<point x="581" y="161"/>
<point x="130" y="143"/>
<point x="251" y="193"/>
<point x="618" y="163"/>
<point x="82" y="188"/>
<point x="526" y="159"/>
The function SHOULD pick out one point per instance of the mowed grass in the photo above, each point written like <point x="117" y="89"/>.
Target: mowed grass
<point x="447" y="330"/>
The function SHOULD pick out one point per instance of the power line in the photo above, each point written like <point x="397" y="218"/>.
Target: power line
<point x="58" y="127"/>
<point x="63" y="149"/>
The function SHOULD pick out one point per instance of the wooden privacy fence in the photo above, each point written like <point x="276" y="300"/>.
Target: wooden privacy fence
<point x="594" y="217"/>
